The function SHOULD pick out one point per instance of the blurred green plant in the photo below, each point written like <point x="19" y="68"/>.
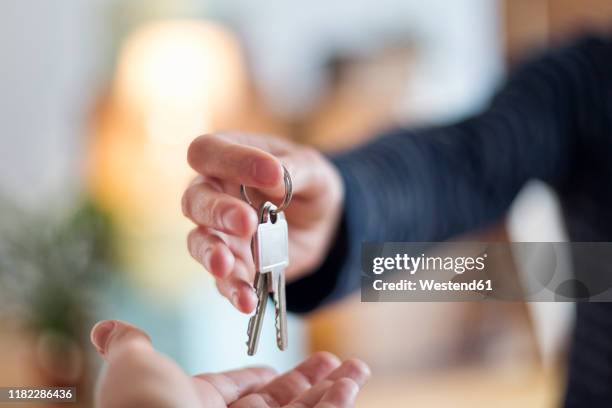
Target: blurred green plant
<point x="51" y="263"/>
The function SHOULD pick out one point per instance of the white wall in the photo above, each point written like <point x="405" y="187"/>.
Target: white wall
<point x="50" y="65"/>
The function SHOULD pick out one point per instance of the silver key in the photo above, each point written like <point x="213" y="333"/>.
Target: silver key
<point x="270" y="246"/>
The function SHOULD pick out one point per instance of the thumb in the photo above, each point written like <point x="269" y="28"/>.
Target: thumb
<point x="136" y="375"/>
<point x="110" y="336"/>
<point x="306" y="169"/>
<point x="304" y="164"/>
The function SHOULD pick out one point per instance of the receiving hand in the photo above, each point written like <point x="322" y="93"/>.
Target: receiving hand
<point x="225" y="223"/>
<point x="138" y="376"/>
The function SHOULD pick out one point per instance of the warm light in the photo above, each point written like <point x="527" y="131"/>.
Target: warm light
<point x="175" y="80"/>
<point x="179" y="76"/>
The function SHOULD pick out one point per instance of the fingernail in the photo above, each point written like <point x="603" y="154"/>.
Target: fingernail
<point x="206" y="257"/>
<point x="266" y="172"/>
<point x="101" y="334"/>
<point x="235" y="299"/>
<point x="233" y="221"/>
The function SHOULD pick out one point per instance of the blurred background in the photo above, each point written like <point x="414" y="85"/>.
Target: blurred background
<point x="99" y="101"/>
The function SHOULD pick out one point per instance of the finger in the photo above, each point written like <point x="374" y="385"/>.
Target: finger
<point x="232" y="385"/>
<point x="136" y="375"/>
<point x="227" y="160"/>
<point x="211" y="251"/>
<point x="208" y="207"/>
<point x="239" y="247"/>
<point x="238" y="291"/>
<point x="288" y="386"/>
<point x="354" y="369"/>
<point x="234" y="275"/>
<point x="108" y="336"/>
<point x="270" y="144"/>
<point x="341" y="394"/>
<point x="312" y="396"/>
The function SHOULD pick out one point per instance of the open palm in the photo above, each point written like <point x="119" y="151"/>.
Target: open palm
<point x="137" y="376"/>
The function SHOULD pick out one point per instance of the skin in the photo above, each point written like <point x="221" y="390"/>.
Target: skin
<point x="225" y="223"/>
<point x="138" y="376"/>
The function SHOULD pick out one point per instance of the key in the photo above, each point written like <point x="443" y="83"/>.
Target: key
<point x="256" y="321"/>
<point x="270" y="246"/>
<point x="280" y="307"/>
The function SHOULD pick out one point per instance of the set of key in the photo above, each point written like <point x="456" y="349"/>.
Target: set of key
<point x="270" y="246"/>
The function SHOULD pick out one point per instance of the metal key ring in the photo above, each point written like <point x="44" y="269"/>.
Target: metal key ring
<point x="286" y="199"/>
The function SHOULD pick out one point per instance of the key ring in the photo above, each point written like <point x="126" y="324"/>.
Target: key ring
<point x="286" y="199"/>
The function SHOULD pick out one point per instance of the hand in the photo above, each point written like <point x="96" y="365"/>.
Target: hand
<point x="138" y="376"/>
<point x="225" y="223"/>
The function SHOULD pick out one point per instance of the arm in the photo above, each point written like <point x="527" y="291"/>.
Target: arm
<point x="434" y="184"/>
<point x="420" y="185"/>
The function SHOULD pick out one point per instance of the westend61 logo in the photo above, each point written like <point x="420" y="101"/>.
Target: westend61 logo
<point x="471" y="270"/>
<point x="414" y="264"/>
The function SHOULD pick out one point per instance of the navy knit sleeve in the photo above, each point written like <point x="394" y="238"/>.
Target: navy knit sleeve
<point x="433" y="184"/>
